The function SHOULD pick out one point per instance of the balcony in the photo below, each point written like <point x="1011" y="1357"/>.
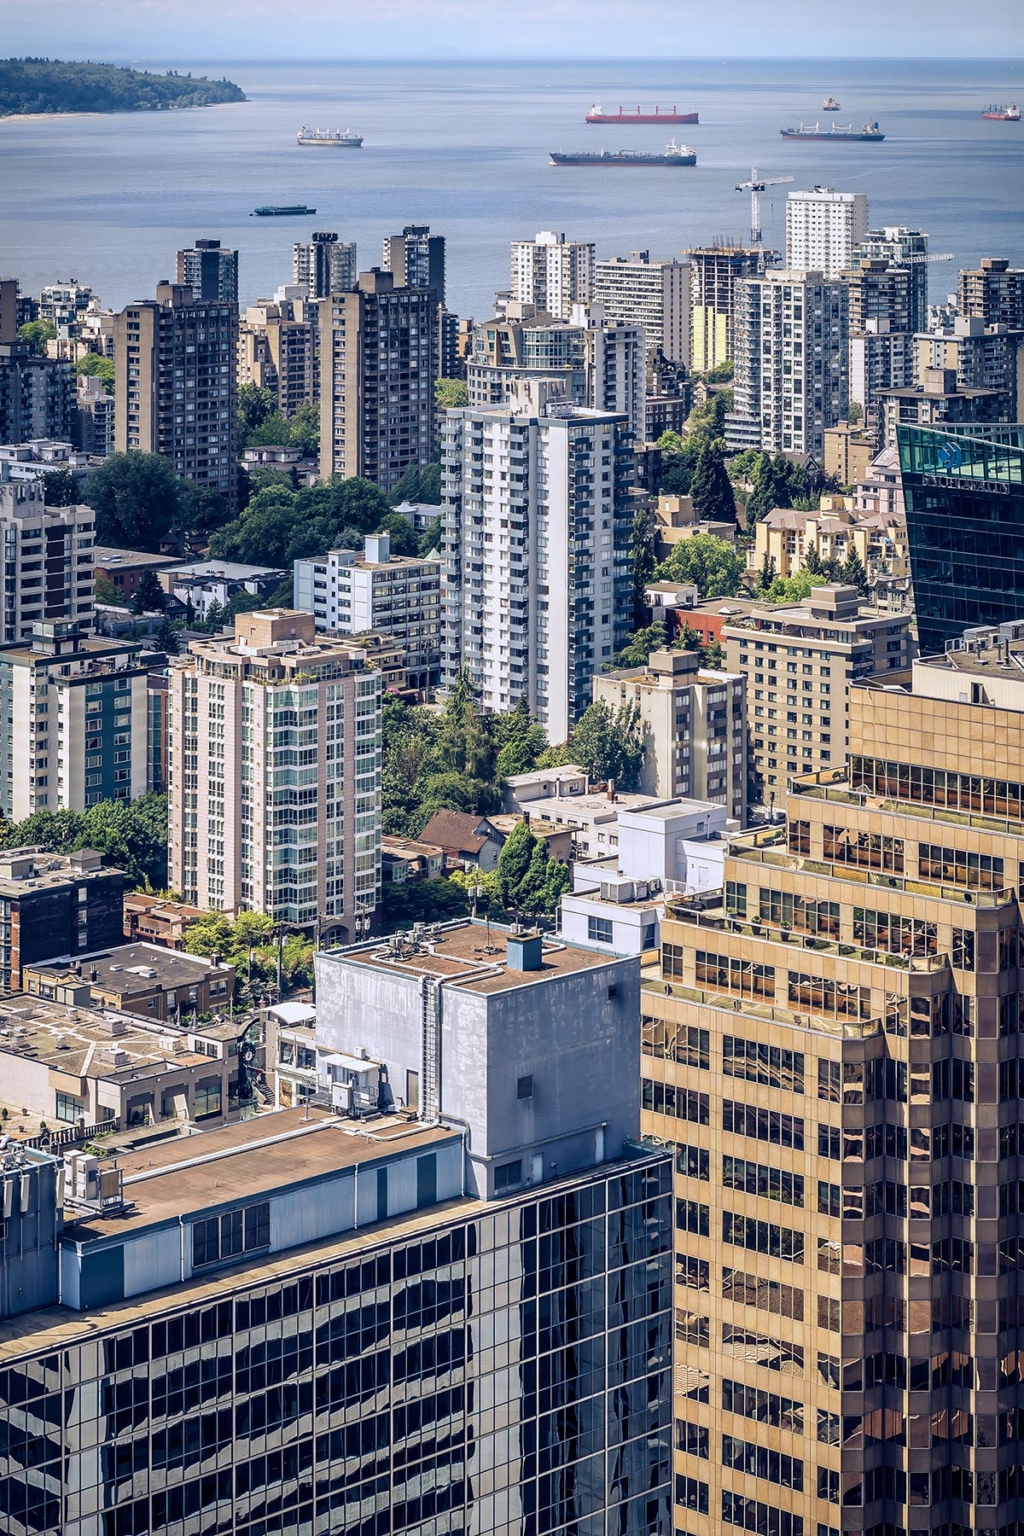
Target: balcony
<point x="776" y="933"/>
<point x="651" y="982"/>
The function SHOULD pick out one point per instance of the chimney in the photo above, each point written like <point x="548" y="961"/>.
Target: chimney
<point x="524" y="951"/>
<point x="611" y="789"/>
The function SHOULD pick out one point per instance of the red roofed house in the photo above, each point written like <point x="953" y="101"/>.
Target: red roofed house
<point x="466" y="839"/>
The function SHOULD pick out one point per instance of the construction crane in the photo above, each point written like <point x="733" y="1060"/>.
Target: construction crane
<point x="920" y="257"/>
<point x="755" y="186"/>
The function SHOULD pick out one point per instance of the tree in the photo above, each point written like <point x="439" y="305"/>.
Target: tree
<point x="638" y="652"/>
<point x="812" y="560"/>
<point x="853" y="572"/>
<point x="791" y="589"/>
<point x="254" y="406"/>
<point x="608" y="743"/>
<point x="763" y="493"/>
<point x="105" y="592"/>
<point x="131" y="833"/>
<point x="711" y="564"/>
<point x="432" y="537"/>
<point x="766" y="575"/>
<point x="149" y="596"/>
<point x="137" y="498"/>
<point x="36" y="333"/>
<point x="166" y="638"/>
<point x="514" y="863"/>
<point x="403" y="540"/>
<point x="95" y="366"/>
<point x="304" y="429"/>
<point x="642" y="562"/>
<point x="422" y="901"/>
<point x="60" y="488"/>
<point x="450" y="394"/>
<point x="710" y="489"/>
<point x="854" y="412"/>
<point x="274" y="431"/>
<point x="527" y="878"/>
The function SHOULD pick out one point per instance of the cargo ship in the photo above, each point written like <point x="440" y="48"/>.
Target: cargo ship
<point x="280" y="211"/>
<point x="675" y="154"/>
<point x="1010" y="114"/>
<point x="831" y="105"/>
<point x="869" y="134"/>
<point x="329" y="138"/>
<point x="659" y="115"/>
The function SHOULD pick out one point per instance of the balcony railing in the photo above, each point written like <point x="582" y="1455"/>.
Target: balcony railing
<point x="842" y="1029"/>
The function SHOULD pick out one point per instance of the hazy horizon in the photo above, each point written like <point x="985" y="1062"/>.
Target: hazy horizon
<point x="358" y="30"/>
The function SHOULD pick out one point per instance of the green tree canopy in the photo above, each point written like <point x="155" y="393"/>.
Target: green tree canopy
<point x="137" y="498"/>
<point x="255" y="404"/>
<point x="608" y="743"/>
<point x="642" y="562"/>
<point x="791" y="589"/>
<point x="710" y="488"/>
<point x="711" y="564"/>
<point x="95" y="366"/>
<point x="36" y="333"/>
<point x="149" y="596"/>
<point x="638" y="652"/>
<point x="131" y="833"/>
<point x="60" y="488"/>
<point x="281" y="525"/>
<point x="528" y="879"/>
<point x="450" y="394"/>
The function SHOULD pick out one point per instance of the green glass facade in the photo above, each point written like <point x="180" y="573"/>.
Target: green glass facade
<point x="964" y="493"/>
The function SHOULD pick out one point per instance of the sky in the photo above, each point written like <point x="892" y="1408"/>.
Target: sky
<point x="122" y="31"/>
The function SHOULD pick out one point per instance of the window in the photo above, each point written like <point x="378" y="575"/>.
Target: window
<point x="694" y="1273"/>
<point x="236" y="1232"/>
<point x="691" y="1216"/>
<point x="763" y="1124"/>
<point x="762" y="1237"/>
<point x="759" y="1179"/>
<point x="684" y="1043"/>
<point x="829" y="1138"/>
<point x="784" y="907"/>
<point x="764" y="1407"/>
<point x="599" y="930"/>
<point x="866" y="850"/>
<point x="691" y="1494"/>
<point x="829" y="1314"/>
<point x="683" y="1103"/>
<point x="750" y="1515"/>
<point x="800" y="837"/>
<point x="936" y="786"/>
<point x="69" y="1108"/>
<point x="767" y="1295"/>
<point x="758" y="1461"/>
<point x="772" y="1065"/>
<point x="508" y="1175"/>
<point x="746" y="977"/>
<point x="692" y="1329"/>
<point x="762" y="1349"/>
<point x="822" y="995"/>
<point x="692" y="1439"/>
<point x="955" y="866"/>
<point x="898" y="935"/>
<point x="207" y="1099"/>
<point x="524" y="1087"/>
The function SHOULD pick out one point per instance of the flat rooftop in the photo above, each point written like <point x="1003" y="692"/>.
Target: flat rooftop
<point x="243" y="1161"/>
<point x="128" y="559"/>
<point x="49" y="871"/>
<point x="91" y="1042"/>
<point x="462" y="956"/>
<point x="127" y="967"/>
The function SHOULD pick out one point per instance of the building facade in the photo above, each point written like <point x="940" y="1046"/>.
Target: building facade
<point x="824" y="229"/>
<point x="902" y="247"/>
<point x="654" y="295"/>
<point x="52" y="905"/>
<point x="964" y="500"/>
<point x="984" y="357"/>
<point x="78" y="707"/>
<point x="175" y="363"/>
<point x="598" y="362"/>
<point x="324" y="265"/>
<point x="378" y="367"/>
<point x="538" y="520"/>
<point x="93" y="426"/>
<point x="210" y="271"/>
<point x="416" y="259"/>
<point x="278" y="349"/>
<point x="792" y="362"/>
<point x="823" y="643"/>
<point x="552" y="273"/>
<point x="396" y="595"/>
<point x="715" y="272"/>
<point x="35" y="395"/>
<point x="48" y="559"/>
<point x="694" y="727"/>
<point x="992" y="292"/>
<point x="834" y="1062"/>
<point x="274" y="774"/>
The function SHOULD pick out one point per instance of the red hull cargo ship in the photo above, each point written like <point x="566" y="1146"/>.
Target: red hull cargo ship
<point x="635" y="115"/>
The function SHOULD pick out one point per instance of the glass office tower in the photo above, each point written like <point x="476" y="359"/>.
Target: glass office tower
<point x="964" y="492"/>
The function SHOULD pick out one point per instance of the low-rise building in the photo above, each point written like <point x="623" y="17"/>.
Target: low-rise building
<point x="694" y="727"/>
<point x="148" y="980"/>
<point x="205" y="582"/>
<point x="469" y="840"/>
<point x="562" y="799"/>
<point x="403" y="858"/>
<point x="787" y="536"/>
<point x="675" y="519"/>
<point x="125" y="568"/>
<point x="69" y="1063"/>
<point x="291" y="1065"/>
<point x="398" y="595"/>
<point x="154" y="920"/>
<point x="849" y="451"/>
<point x="50" y="902"/>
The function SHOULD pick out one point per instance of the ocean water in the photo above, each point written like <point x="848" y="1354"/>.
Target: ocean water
<point x="463" y="146"/>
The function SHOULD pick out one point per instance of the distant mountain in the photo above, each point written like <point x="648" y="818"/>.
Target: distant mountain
<point x="50" y="85"/>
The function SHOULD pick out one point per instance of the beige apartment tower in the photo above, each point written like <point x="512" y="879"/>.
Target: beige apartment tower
<point x="274" y="769"/>
<point x="832" y="1048"/>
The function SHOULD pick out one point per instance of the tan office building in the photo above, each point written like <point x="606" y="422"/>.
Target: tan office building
<point x="278" y="350"/>
<point x="833" y="1052"/>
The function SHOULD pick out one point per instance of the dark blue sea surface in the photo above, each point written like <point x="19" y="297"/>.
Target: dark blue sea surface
<point x="464" y="147"/>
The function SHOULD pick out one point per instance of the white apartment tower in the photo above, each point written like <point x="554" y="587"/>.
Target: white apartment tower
<point x="274" y="742"/>
<point x="537" y="538"/>
<point x="552" y="273"/>
<point x="792" y="363"/>
<point x="653" y="294"/>
<point x="48" y="559"/>
<point x="824" y="229"/>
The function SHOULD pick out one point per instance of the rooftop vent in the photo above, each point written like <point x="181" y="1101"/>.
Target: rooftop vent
<point x="524" y="951"/>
